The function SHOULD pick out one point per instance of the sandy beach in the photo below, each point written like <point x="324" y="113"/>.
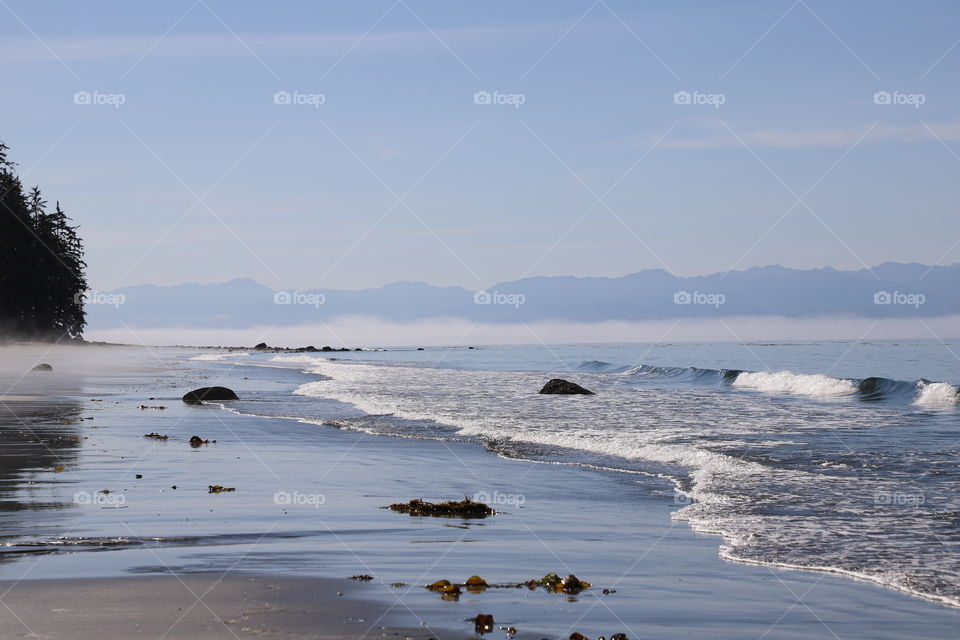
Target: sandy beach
<point x="202" y="606"/>
<point x="99" y="543"/>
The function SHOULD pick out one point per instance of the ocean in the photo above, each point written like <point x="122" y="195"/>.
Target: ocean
<point x="834" y="456"/>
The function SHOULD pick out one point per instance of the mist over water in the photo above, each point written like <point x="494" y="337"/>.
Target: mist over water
<point x="365" y="331"/>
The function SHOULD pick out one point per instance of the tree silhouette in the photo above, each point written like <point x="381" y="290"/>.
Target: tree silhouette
<point x="42" y="272"/>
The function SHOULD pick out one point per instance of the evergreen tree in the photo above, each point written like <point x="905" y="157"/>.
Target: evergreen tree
<point x="42" y="277"/>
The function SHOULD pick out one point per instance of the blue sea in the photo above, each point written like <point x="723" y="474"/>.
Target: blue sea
<point x="835" y="456"/>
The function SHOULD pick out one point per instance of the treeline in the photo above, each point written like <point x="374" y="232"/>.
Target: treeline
<point x="42" y="272"/>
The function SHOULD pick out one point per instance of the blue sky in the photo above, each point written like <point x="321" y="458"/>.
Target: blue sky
<point x="199" y="175"/>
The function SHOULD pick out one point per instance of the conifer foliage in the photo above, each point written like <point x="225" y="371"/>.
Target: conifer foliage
<point x="42" y="272"/>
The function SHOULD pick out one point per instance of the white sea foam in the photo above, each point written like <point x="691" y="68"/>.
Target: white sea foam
<point x="303" y="359"/>
<point x="802" y="384"/>
<point x="936" y="393"/>
<point x="217" y="357"/>
<point x="809" y="512"/>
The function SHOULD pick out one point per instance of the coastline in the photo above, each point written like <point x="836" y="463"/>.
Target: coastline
<point x="669" y="580"/>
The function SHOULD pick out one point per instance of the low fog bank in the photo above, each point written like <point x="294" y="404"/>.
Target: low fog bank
<point x="367" y="331"/>
<point x="71" y="366"/>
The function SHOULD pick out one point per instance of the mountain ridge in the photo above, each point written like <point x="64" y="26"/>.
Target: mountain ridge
<point x="888" y="290"/>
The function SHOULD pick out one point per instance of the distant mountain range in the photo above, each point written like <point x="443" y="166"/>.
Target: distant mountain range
<point x="888" y="290"/>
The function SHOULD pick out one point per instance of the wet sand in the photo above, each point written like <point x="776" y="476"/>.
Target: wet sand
<point x="201" y="606"/>
<point x="306" y="514"/>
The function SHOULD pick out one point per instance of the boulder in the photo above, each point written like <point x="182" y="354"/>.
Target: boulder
<point x="43" y="366"/>
<point x="197" y="396"/>
<point x="564" y="387"/>
<point x="261" y="347"/>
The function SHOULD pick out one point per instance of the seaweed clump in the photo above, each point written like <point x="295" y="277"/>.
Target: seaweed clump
<point x="465" y="508"/>
<point x="571" y="585"/>
<point x="552" y="582"/>
<point x="216" y="488"/>
<point x="446" y="589"/>
<point x="483" y="623"/>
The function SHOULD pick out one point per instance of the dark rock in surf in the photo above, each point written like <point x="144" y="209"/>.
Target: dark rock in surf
<point x="197" y="396"/>
<point x="261" y="347"/>
<point x="42" y="367"/>
<point x="565" y="387"/>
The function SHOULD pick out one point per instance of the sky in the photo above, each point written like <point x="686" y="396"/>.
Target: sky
<point x="352" y="144"/>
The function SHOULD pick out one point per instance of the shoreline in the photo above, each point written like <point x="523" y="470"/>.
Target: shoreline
<point x="607" y="527"/>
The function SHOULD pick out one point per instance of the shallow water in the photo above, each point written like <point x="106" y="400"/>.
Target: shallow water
<point x="794" y="467"/>
<point x="308" y="496"/>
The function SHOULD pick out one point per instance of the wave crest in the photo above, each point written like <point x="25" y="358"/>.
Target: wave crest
<point x="803" y="384"/>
